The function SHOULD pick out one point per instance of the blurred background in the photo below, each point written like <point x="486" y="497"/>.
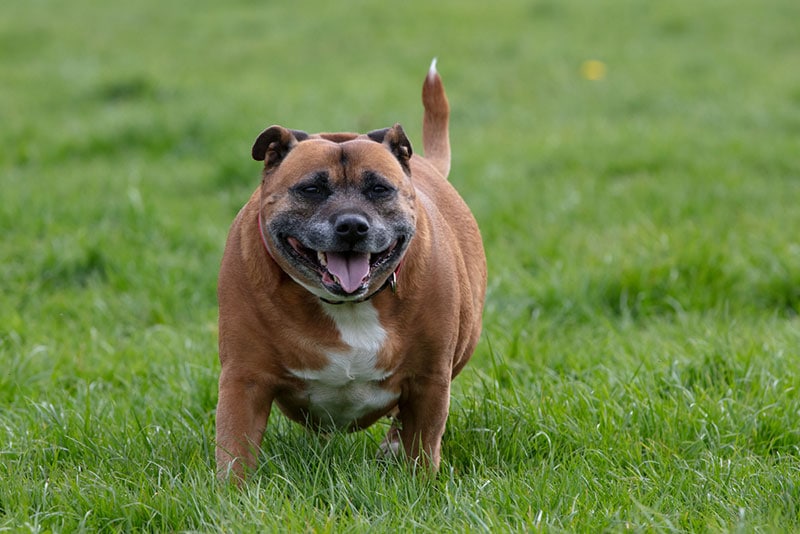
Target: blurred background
<point x="624" y="159"/>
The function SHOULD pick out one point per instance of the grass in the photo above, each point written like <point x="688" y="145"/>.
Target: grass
<point x="639" y="367"/>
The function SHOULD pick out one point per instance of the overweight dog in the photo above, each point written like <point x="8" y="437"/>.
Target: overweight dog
<point x="351" y="288"/>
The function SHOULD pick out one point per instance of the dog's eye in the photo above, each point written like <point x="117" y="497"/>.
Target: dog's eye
<point x="312" y="191"/>
<point x="314" y="188"/>
<point x="376" y="191"/>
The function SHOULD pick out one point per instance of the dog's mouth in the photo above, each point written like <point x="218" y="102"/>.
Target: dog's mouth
<point x="345" y="272"/>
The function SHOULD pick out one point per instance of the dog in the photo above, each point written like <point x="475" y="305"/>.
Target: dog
<point x="351" y="287"/>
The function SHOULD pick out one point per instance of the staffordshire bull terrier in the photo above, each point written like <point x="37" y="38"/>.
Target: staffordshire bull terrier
<point x="351" y="287"/>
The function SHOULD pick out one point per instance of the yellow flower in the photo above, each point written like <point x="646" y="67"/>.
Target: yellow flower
<point x="593" y="70"/>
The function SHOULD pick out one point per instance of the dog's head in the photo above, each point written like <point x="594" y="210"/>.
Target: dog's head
<point x="337" y="209"/>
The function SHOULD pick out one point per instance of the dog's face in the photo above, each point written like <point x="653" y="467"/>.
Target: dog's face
<point x="337" y="210"/>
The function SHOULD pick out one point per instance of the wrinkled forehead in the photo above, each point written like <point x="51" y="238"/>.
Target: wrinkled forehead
<point x="347" y="161"/>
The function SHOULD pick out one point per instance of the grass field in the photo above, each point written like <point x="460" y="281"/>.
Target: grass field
<point x="640" y="364"/>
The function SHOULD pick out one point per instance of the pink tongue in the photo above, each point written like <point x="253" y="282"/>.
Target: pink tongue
<point x="349" y="269"/>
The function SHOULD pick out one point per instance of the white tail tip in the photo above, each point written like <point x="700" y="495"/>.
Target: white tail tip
<point x="432" y="70"/>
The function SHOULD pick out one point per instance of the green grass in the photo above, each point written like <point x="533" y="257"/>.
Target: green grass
<point x="639" y="366"/>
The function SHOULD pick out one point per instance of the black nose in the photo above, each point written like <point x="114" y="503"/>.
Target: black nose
<point x="351" y="226"/>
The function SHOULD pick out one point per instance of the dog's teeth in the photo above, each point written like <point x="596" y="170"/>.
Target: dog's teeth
<point x="323" y="258"/>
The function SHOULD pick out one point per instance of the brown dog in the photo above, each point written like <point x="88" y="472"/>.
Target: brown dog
<point x="351" y="287"/>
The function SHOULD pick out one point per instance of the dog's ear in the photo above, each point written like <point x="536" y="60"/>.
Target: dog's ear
<point x="272" y="145"/>
<point x="395" y="140"/>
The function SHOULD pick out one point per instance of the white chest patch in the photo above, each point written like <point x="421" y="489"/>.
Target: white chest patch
<point x="348" y="387"/>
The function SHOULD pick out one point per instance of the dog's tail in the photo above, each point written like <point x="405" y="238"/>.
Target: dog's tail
<point x="435" y="134"/>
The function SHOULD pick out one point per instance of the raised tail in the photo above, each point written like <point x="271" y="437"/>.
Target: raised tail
<point x="435" y="133"/>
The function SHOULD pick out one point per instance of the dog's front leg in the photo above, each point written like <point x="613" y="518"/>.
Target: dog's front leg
<point x="242" y="413"/>
<point x="423" y="416"/>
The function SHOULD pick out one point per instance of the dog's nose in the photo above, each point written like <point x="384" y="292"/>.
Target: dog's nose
<point x="351" y="226"/>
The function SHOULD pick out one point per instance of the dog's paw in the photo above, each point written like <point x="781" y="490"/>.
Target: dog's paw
<point x="391" y="447"/>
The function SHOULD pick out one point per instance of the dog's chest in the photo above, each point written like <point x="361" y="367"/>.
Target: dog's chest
<point x="348" y="387"/>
